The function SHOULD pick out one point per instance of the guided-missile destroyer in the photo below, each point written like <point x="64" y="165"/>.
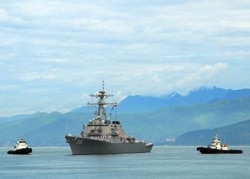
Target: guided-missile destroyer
<point x="104" y="136"/>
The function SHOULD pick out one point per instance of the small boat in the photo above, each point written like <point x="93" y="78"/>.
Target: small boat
<point x="21" y="147"/>
<point x="216" y="147"/>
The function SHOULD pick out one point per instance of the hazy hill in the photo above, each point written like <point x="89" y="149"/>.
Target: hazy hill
<point x="235" y="134"/>
<point x="173" y="121"/>
<point x="43" y="129"/>
<point x="13" y="118"/>
<point x="203" y="109"/>
<point x="170" y="122"/>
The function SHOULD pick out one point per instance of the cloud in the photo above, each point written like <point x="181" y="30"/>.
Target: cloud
<point x="55" y="52"/>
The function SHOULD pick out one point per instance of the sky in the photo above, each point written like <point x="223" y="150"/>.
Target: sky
<point x="53" y="54"/>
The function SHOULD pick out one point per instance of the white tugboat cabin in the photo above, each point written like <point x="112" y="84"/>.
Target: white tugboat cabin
<point x="216" y="144"/>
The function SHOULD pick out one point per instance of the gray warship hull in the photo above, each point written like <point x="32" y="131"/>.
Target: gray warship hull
<point x="86" y="146"/>
<point x="104" y="136"/>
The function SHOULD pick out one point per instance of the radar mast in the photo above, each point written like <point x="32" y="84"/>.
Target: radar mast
<point x="101" y="95"/>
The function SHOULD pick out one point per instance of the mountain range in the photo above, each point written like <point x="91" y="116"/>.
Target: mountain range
<point x="156" y="119"/>
<point x="138" y="103"/>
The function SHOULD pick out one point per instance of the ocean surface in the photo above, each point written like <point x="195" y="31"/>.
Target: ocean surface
<point x="163" y="162"/>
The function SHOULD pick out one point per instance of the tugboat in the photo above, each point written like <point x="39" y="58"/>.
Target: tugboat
<point x="216" y="147"/>
<point x="103" y="136"/>
<point x="21" y="147"/>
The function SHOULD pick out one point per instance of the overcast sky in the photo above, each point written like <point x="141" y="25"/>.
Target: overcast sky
<point x="53" y="54"/>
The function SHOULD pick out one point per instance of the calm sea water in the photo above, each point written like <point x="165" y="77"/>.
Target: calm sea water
<point x="162" y="162"/>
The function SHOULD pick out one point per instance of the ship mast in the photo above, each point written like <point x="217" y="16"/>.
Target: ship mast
<point x="101" y="95"/>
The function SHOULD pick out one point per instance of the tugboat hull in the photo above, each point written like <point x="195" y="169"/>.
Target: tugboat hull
<point x="85" y="146"/>
<point x="25" y="151"/>
<point x="206" y="150"/>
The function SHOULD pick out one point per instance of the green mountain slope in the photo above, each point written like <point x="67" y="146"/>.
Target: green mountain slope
<point x="173" y="121"/>
<point x="170" y="122"/>
<point x="235" y="134"/>
<point x="42" y="129"/>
